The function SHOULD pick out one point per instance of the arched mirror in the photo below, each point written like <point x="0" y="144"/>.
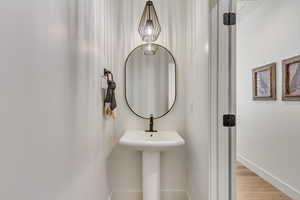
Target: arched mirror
<point x="150" y="81"/>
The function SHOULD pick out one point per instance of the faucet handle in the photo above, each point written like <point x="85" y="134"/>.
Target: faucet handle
<point x="151" y="124"/>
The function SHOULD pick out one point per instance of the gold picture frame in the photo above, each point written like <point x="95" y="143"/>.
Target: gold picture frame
<point x="264" y="82"/>
<point x="291" y="79"/>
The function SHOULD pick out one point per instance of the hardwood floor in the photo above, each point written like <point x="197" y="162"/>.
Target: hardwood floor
<point x="252" y="187"/>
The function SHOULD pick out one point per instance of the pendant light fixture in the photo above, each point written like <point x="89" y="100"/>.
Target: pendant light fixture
<point x="149" y="28"/>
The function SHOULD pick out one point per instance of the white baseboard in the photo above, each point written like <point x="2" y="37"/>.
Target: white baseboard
<point x="138" y="195"/>
<point x="267" y="176"/>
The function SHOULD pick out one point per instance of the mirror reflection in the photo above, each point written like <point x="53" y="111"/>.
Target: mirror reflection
<point x="150" y="81"/>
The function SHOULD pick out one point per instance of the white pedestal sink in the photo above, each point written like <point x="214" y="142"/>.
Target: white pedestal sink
<point x="151" y="144"/>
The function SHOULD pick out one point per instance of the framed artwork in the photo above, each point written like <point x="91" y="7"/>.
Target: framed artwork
<point x="264" y="82"/>
<point x="291" y="79"/>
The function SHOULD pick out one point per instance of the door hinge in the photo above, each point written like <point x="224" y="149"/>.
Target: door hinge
<point x="229" y="120"/>
<point x="229" y="19"/>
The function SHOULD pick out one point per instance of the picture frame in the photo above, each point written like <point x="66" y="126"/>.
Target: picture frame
<point x="264" y="83"/>
<point x="291" y="79"/>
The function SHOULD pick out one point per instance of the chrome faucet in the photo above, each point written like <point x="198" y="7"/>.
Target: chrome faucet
<point x="151" y="124"/>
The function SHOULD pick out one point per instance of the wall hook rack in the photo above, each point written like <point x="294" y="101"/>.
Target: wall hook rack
<point x="108" y="74"/>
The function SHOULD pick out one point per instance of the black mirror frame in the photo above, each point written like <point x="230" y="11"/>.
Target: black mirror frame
<point x="175" y="82"/>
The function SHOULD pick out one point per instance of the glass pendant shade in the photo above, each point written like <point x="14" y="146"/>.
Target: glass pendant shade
<point x="149" y="28"/>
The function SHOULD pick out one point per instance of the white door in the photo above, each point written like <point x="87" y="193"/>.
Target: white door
<point x="223" y="84"/>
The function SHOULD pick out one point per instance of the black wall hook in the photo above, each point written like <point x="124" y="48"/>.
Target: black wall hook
<point x="108" y="75"/>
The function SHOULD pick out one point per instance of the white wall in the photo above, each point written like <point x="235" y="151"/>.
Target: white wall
<point x="52" y="129"/>
<point x="268" y="132"/>
<point x="54" y="138"/>
<point x="185" y="32"/>
<point x="197" y="96"/>
<point x="125" y="165"/>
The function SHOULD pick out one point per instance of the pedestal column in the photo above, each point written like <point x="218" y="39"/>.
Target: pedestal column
<point x="151" y="175"/>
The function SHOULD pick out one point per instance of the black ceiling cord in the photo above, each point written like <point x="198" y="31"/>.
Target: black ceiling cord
<point x="110" y="99"/>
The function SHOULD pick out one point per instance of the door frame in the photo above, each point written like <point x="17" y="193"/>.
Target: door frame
<point x="223" y="101"/>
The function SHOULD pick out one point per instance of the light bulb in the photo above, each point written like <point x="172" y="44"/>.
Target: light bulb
<point x="149" y="29"/>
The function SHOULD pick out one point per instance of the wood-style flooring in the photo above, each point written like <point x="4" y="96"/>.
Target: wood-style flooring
<point x="252" y="187"/>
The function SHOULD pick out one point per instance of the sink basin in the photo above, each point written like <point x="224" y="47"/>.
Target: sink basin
<point x="151" y="144"/>
<point x="156" y="141"/>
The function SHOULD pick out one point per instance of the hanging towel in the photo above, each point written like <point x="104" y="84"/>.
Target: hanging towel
<point x="110" y="103"/>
